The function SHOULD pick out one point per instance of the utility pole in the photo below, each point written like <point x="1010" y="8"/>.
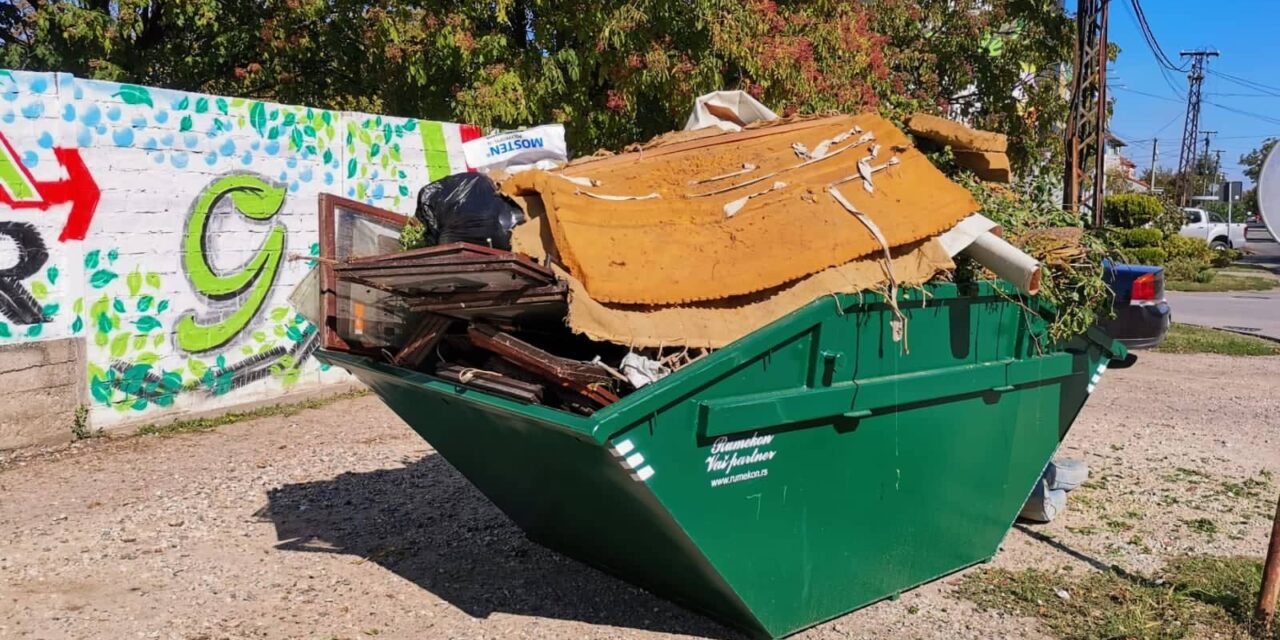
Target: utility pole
<point x="1155" y="146"/>
<point x="1217" y="171"/>
<point x="1087" y="119"/>
<point x="1270" y="591"/>
<point x="1191" y="130"/>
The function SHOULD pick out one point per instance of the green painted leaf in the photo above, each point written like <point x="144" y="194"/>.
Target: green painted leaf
<point x="104" y="323"/>
<point x="91" y="259"/>
<point x="197" y="367"/>
<point x="52" y="274"/>
<point x="351" y="168"/>
<point x="34" y="330"/>
<point x="119" y="345"/>
<point x="77" y="324"/>
<point x="258" y="117"/>
<point x="275" y="115"/>
<point x="100" y="338"/>
<point x="278" y="330"/>
<point x="327" y="157"/>
<point x="185" y="124"/>
<point x="273" y="133"/>
<point x="289" y="119"/>
<point x="139" y="342"/>
<point x="157" y="340"/>
<point x="118" y="305"/>
<point x="279" y="313"/>
<point x="133" y="94"/>
<point x="246" y="350"/>
<point x="139" y="404"/>
<point x="309" y="130"/>
<point x="295" y="138"/>
<point x="146" y="323"/>
<point x="294" y="334"/>
<point x="222" y="105"/>
<point x="146" y="357"/>
<point x="183" y="103"/>
<point x="160" y="308"/>
<point x="145" y="302"/>
<point x="39" y="290"/>
<point x="134" y="280"/>
<point x="77" y="307"/>
<point x="259" y="336"/>
<point x="375" y="149"/>
<point x="326" y="116"/>
<point x="153" y="280"/>
<point x="102" y="278"/>
<point x="202" y="105"/>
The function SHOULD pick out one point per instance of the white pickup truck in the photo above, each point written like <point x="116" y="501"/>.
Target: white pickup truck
<point x="1213" y="228"/>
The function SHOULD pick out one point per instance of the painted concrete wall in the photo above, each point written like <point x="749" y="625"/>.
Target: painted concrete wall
<point x="154" y="227"/>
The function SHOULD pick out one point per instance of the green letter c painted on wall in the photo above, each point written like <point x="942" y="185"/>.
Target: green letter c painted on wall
<point x="257" y="199"/>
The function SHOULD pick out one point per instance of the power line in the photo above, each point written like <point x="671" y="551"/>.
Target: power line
<point x="1149" y="95"/>
<point x="1245" y="82"/>
<point x="1257" y="116"/>
<point x="1150" y="37"/>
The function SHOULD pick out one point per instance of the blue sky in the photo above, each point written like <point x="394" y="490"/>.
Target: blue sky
<point x="1245" y="32"/>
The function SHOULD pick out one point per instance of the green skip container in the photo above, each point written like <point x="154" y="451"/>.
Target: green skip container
<point x="804" y="471"/>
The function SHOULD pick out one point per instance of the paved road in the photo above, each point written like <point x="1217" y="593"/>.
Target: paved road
<point x="1250" y="311"/>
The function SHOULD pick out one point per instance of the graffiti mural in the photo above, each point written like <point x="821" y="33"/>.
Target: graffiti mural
<point x="157" y="226"/>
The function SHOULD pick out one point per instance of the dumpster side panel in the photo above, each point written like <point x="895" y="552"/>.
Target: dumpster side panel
<point x="563" y="489"/>
<point x="833" y="470"/>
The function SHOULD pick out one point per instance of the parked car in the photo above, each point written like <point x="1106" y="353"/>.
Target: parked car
<point x="1213" y="228"/>
<point x="1142" y="315"/>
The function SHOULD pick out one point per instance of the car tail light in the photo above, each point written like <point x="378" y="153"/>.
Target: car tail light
<point x="1144" y="287"/>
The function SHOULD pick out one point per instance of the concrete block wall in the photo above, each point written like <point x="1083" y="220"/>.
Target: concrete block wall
<point x="150" y="230"/>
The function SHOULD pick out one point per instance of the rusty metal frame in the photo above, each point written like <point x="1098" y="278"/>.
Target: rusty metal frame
<point x="328" y="204"/>
<point x="1085" y="145"/>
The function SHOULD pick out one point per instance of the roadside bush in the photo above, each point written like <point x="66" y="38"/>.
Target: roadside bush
<point x="1181" y="247"/>
<point x="1224" y="258"/>
<point x="1130" y="210"/>
<point x="1135" y="238"/>
<point x="1187" y="270"/>
<point x="1146" y="255"/>
<point x="1170" y="219"/>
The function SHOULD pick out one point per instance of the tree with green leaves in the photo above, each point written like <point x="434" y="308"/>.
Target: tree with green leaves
<point x="1252" y="165"/>
<point x="614" y="71"/>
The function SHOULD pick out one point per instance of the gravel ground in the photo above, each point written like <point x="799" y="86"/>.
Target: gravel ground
<point x="341" y="523"/>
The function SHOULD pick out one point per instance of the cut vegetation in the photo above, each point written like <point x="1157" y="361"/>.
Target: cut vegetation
<point x="1187" y="338"/>
<point x="1193" y="597"/>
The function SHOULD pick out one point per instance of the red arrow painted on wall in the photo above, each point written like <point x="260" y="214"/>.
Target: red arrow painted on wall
<point x="19" y="190"/>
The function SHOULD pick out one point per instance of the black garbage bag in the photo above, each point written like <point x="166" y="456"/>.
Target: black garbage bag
<point x="466" y="207"/>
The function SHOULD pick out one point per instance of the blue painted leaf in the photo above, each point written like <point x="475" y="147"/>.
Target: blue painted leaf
<point x="351" y="168"/>
<point x="118" y="305"/>
<point x="98" y="387"/>
<point x="50" y="310"/>
<point x="202" y="105"/>
<point x="91" y="259"/>
<point x="77" y="324"/>
<point x="139" y="404"/>
<point x="183" y="103"/>
<point x="104" y="323"/>
<point x="327" y="157"/>
<point x="133" y="94"/>
<point x="222" y="105"/>
<point x="160" y="308"/>
<point x="294" y="334"/>
<point x="112" y="255"/>
<point x="146" y="323"/>
<point x="221" y="361"/>
<point x="145" y="302"/>
<point x="52" y="274"/>
<point x="102" y="278"/>
<point x="258" y="117"/>
<point x="4" y="330"/>
<point x="289" y="119"/>
<point x="185" y="124"/>
<point x="34" y="330"/>
<point x="295" y="138"/>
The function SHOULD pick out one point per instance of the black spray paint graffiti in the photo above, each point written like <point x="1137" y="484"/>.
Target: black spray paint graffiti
<point x="236" y="375"/>
<point x="16" y="302"/>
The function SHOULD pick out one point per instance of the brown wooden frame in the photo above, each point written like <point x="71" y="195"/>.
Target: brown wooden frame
<point x="328" y="203"/>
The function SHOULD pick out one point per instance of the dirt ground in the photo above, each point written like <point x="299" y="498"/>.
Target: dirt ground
<point x="341" y="523"/>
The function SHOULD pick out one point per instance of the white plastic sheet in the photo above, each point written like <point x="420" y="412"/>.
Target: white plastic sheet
<point x="534" y="146"/>
<point x="729" y="110"/>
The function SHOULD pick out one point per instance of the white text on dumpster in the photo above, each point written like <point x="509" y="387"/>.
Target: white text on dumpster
<point x="728" y="456"/>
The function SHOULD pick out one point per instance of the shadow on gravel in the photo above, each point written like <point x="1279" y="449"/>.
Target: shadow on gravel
<point x="427" y="524"/>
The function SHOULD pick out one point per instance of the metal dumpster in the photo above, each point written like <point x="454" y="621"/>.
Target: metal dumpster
<point x="808" y="469"/>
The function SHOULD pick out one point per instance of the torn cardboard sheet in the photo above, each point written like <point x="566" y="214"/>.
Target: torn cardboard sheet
<point x="677" y="249"/>
<point x="716" y="324"/>
<point x="954" y="134"/>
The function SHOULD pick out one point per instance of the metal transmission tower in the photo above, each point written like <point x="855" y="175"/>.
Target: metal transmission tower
<point x="1086" y="123"/>
<point x="1191" y="131"/>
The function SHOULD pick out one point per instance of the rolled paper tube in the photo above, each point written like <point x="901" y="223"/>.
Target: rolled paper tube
<point x="1006" y="261"/>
